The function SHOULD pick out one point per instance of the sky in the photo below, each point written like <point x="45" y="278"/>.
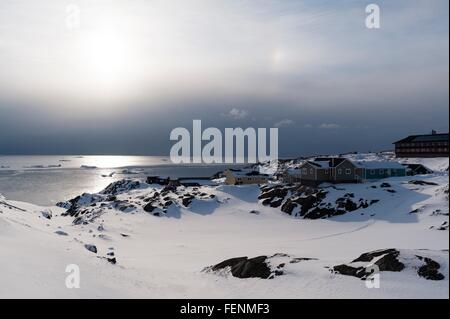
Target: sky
<point x="115" y="77"/>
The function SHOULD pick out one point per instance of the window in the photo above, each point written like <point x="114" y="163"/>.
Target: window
<point x="304" y="171"/>
<point x="372" y="172"/>
<point x="381" y="171"/>
<point x="340" y="171"/>
<point x="348" y="171"/>
<point x="326" y="171"/>
<point x="311" y="171"/>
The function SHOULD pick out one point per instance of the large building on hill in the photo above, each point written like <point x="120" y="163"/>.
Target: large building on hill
<point x="429" y="145"/>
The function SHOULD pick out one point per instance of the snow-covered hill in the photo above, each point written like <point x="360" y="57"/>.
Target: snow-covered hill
<point x="150" y="241"/>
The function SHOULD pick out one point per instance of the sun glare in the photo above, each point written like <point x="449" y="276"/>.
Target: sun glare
<point x="107" y="59"/>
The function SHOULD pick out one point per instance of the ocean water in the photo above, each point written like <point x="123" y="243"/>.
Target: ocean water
<point x="46" y="180"/>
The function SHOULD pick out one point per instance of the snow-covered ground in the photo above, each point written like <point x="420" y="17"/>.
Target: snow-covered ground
<point x="163" y="256"/>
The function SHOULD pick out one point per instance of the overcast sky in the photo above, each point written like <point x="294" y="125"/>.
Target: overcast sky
<point x="115" y="77"/>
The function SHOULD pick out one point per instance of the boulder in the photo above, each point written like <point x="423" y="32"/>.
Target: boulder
<point x="243" y="267"/>
<point x="91" y="248"/>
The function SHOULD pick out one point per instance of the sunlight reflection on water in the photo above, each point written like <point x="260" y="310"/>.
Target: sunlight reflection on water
<point x="40" y="179"/>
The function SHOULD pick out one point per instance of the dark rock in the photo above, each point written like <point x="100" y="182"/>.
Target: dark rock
<point x="47" y="214"/>
<point x="422" y="183"/>
<point x="387" y="262"/>
<point x="430" y="270"/>
<point x="276" y="191"/>
<point x="149" y="208"/>
<point x="242" y="267"/>
<point x="299" y="259"/>
<point x="168" y="203"/>
<point x="187" y="200"/>
<point x="367" y="257"/>
<point x="288" y="207"/>
<point x="276" y="203"/>
<point x="91" y="248"/>
<point x="120" y="187"/>
<point x="346" y="270"/>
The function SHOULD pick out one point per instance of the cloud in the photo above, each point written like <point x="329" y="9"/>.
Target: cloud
<point x="236" y="114"/>
<point x="307" y="126"/>
<point x="329" y="126"/>
<point x="284" y="122"/>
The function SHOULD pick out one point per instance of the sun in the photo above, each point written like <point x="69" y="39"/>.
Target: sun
<point x="107" y="59"/>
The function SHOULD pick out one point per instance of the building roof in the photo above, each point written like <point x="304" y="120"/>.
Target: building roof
<point x="379" y="165"/>
<point x="246" y="173"/>
<point x="320" y="164"/>
<point x="327" y="162"/>
<point x="416" y="166"/>
<point x="425" y="138"/>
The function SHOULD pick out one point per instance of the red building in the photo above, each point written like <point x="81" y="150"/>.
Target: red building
<point x="430" y="145"/>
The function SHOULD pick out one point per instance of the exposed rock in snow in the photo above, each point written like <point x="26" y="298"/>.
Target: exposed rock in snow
<point x="119" y="196"/>
<point x="122" y="186"/>
<point x="47" y="214"/>
<point x="257" y="267"/>
<point x="309" y="202"/>
<point x="443" y="226"/>
<point x="391" y="260"/>
<point x="91" y="248"/>
<point x="422" y="183"/>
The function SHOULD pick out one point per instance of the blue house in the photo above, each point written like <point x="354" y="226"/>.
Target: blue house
<point x="379" y="169"/>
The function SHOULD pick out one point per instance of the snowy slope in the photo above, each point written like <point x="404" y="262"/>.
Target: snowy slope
<point x="163" y="256"/>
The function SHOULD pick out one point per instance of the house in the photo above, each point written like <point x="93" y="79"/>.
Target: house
<point x="291" y="175"/>
<point x="417" y="169"/>
<point x="324" y="169"/>
<point x="245" y="176"/>
<point x="342" y="170"/>
<point x="368" y="170"/>
<point x="430" y="145"/>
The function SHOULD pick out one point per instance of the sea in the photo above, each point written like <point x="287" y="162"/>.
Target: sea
<point x="45" y="180"/>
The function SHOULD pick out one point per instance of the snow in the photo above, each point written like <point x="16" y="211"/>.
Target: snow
<point x="160" y="257"/>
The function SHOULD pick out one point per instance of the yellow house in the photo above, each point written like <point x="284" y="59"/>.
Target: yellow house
<point x="240" y="177"/>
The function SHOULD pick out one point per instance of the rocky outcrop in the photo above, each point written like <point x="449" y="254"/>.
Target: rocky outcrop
<point x="390" y="260"/>
<point x="309" y="202"/>
<point x="264" y="267"/>
<point x="244" y="267"/>
<point x="422" y="183"/>
<point x="117" y="196"/>
<point x="122" y="186"/>
<point x="430" y="270"/>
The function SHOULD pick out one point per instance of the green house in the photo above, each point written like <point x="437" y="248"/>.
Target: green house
<point x="379" y="169"/>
